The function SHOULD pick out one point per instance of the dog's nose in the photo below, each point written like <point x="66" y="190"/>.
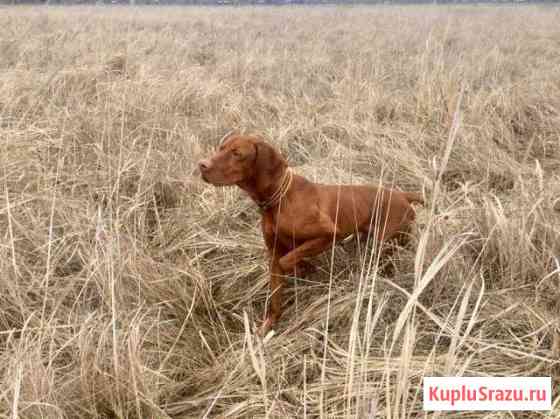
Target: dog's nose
<point x="204" y="165"/>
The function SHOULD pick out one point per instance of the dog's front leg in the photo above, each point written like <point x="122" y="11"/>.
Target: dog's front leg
<point x="274" y="309"/>
<point x="307" y="249"/>
<point x="275" y="251"/>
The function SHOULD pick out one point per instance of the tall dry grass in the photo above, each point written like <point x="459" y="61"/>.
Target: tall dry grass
<point x="129" y="289"/>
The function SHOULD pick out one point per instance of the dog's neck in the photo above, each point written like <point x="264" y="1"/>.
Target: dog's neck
<point x="263" y="189"/>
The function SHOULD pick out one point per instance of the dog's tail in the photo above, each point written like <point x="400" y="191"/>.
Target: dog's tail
<point x="414" y="197"/>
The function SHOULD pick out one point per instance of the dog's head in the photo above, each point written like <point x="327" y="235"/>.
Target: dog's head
<point x="240" y="158"/>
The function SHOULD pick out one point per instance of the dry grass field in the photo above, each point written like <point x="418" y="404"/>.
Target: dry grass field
<point x="131" y="289"/>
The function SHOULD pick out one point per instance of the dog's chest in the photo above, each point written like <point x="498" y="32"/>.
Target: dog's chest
<point x="291" y="224"/>
<point x="277" y="223"/>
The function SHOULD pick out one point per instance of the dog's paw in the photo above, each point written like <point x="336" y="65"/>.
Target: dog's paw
<point x="304" y="269"/>
<point x="265" y="327"/>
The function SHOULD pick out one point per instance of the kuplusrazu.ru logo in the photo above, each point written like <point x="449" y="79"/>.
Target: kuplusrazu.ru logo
<point x="487" y="393"/>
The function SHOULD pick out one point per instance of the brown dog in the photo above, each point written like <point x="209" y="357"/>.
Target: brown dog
<point x="300" y="218"/>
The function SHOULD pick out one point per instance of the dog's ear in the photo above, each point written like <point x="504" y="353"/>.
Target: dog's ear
<point x="268" y="160"/>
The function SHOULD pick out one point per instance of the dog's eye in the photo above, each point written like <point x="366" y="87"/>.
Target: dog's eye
<point x="236" y="153"/>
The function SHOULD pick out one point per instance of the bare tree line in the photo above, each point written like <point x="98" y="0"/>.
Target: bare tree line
<point x="265" y="2"/>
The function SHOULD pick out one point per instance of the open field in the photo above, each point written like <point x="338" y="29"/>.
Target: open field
<point x="129" y="289"/>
